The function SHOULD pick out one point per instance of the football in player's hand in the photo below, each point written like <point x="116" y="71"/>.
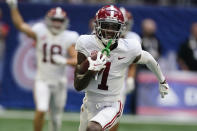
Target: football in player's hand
<point x="85" y="64"/>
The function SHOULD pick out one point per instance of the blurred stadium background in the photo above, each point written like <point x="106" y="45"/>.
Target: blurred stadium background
<point x="144" y="109"/>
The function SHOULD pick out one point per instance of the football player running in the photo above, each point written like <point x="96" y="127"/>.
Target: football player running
<point x="130" y="82"/>
<point x="102" y="106"/>
<point x="54" y="50"/>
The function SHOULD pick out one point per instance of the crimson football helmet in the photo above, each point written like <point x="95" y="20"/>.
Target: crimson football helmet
<point x="128" y="20"/>
<point x="109" y="22"/>
<point x="56" y="20"/>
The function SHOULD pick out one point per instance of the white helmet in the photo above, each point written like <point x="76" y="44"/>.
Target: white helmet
<point x="56" y="20"/>
<point x="109" y="22"/>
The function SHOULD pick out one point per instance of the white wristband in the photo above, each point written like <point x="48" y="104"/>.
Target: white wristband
<point x="130" y="84"/>
<point x="60" y="59"/>
<point x="130" y="80"/>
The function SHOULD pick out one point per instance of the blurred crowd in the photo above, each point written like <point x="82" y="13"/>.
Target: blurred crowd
<point x="131" y="2"/>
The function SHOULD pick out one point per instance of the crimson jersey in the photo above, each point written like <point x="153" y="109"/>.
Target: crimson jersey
<point x="108" y="85"/>
<point x="48" y="45"/>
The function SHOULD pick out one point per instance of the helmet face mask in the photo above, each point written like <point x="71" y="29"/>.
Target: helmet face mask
<point x="109" y="24"/>
<point x="56" y="20"/>
<point x="108" y="30"/>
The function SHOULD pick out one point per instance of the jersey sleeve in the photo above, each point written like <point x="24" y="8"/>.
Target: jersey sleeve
<point x="135" y="50"/>
<point x="74" y="37"/>
<point x="37" y="28"/>
<point x="80" y="46"/>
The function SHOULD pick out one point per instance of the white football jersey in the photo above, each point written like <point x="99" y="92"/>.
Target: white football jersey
<point x="108" y="85"/>
<point x="47" y="45"/>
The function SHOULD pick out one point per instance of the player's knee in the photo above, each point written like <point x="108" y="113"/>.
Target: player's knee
<point x="40" y="113"/>
<point x="94" y="126"/>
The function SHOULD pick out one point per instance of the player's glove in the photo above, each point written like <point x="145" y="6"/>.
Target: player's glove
<point x="98" y="64"/>
<point x="12" y="3"/>
<point x="163" y="89"/>
<point x="130" y="84"/>
<point x="58" y="59"/>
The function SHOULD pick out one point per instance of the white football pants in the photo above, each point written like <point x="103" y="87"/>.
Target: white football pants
<point x="106" y="114"/>
<point x="51" y="97"/>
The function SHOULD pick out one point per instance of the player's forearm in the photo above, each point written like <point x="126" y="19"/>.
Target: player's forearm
<point x="132" y="70"/>
<point x="81" y="81"/>
<point x="149" y="61"/>
<point x="17" y="18"/>
<point x="71" y="61"/>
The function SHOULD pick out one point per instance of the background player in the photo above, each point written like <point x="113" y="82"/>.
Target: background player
<point x="53" y="44"/>
<point x="130" y="80"/>
<point x="102" y="107"/>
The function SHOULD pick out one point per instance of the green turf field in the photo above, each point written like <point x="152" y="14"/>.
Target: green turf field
<point x="26" y="125"/>
<point x="19" y="121"/>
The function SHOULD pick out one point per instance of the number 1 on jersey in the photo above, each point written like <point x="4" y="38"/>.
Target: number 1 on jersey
<point x="103" y="85"/>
